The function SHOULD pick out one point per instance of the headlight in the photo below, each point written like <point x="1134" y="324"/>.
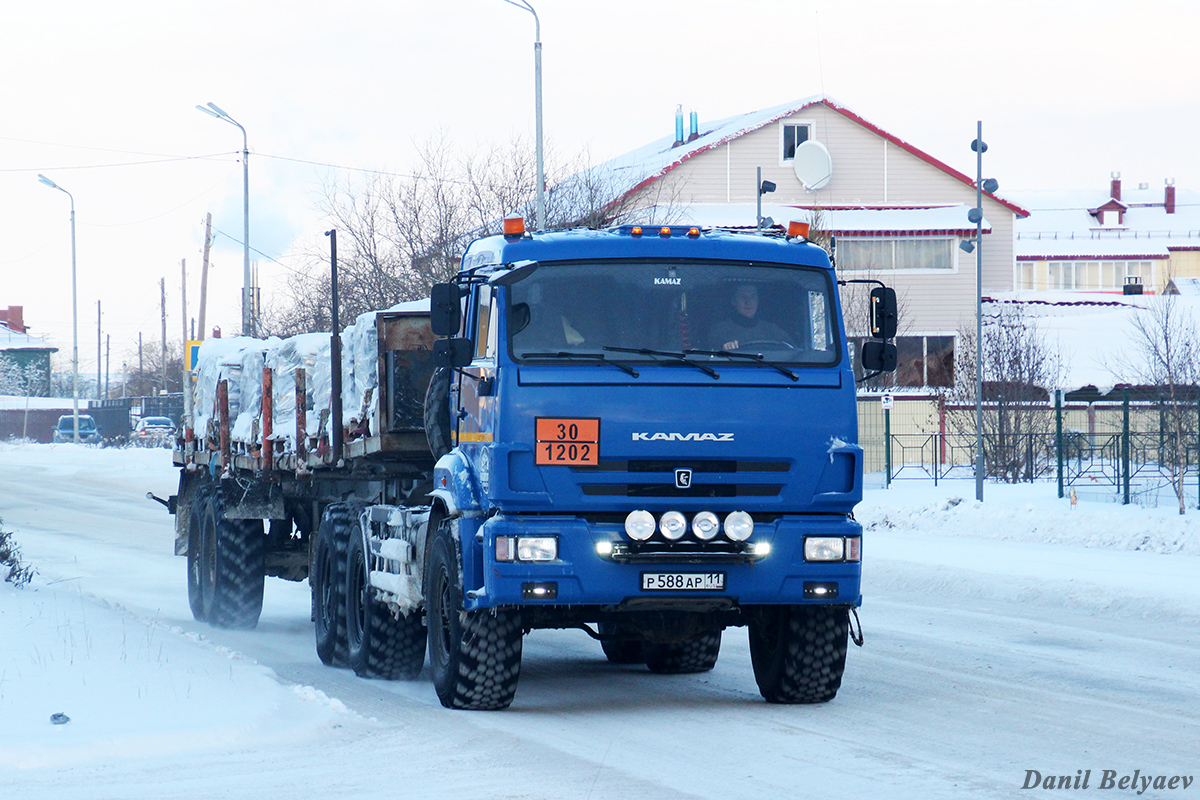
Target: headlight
<point x="639" y="525"/>
<point x="738" y="526"/>
<point x="705" y="525"/>
<point x="537" y="548"/>
<point x="673" y="525"/>
<point x="824" y="548"/>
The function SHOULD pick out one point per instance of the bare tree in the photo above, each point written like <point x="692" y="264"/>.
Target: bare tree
<point x="1163" y="353"/>
<point x="1019" y="367"/>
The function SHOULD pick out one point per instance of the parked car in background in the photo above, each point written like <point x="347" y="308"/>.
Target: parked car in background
<point x="153" y="432"/>
<point x="64" y="429"/>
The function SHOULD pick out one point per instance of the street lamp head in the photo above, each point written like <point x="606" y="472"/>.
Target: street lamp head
<point x="47" y="181"/>
<point x="990" y="185"/>
<point x="967" y="245"/>
<point x="218" y="109"/>
<point x="208" y="111"/>
<point x="767" y="186"/>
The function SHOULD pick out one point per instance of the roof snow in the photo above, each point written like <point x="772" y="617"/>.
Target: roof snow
<point x="12" y="340"/>
<point x="1061" y="225"/>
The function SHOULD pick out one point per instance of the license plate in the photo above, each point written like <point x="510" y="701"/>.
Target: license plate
<point x="683" y="581"/>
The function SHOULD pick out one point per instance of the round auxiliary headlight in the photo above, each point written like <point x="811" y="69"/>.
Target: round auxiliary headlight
<point x="739" y="526"/>
<point x="705" y="525"/>
<point x="673" y="525"/>
<point x="639" y="525"/>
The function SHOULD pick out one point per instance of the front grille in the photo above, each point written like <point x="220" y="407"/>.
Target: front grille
<point x="702" y="466"/>
<point x="670" y="490"/>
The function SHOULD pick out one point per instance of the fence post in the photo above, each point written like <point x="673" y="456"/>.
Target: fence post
<point x="1125" y="445"/>
<point x="1058" y="438"/>
<point x="887" y="445"/>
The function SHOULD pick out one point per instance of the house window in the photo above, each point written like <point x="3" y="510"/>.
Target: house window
<point x="794" y="135"/>
<point x="1083" y="276"/>
<point x="911" y="252"/>
<point x="921" y="361"/>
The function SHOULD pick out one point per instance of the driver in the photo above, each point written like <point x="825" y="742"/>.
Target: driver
<point x="742" y="326"/>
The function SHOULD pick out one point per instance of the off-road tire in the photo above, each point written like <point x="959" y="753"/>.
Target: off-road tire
<point x="381" y="645"/>
<point x="233" y="574"/>
<point x="698" y="654"/>
<point x="197" y="560"/>
<point x="799" y="652"/>
<point x="620" y="646"/>
<point x="475" y="656"/>
<point x="329" y="584"/>
<point x="437" y="413"/>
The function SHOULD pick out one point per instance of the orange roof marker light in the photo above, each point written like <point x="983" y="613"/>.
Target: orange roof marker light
<point x="665" y="230"/>
<point x="693" y="232"/>
<point x="797" y="229"/>
<point x="637" y="230"/>
<point x="514" y="225"/>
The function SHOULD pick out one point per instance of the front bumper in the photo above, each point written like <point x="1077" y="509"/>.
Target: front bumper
<point x="582" y="575"/>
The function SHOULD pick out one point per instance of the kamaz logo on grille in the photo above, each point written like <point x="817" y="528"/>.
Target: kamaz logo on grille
<point x="668" y="282"/>
<point x="682" y="437"/>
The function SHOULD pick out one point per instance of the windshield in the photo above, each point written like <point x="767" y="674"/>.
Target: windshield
<point x="643" y="311"/>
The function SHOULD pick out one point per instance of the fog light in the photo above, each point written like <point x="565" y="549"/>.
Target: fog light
<point x="824" y="548"/>
<point x="604" y="548"/>
<point x="762" y="549"/>
<point x="820" y="591"/>
<point x="547" y="590"/>
<point x="537" y="548"/>
<point x="705" y="525"/>
<point x="673" y="525"/>
<point x="639" y="525"/>
<point x="738" y="526"/>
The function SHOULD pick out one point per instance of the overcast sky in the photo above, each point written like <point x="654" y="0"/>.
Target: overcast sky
<point x="101" y="98"/>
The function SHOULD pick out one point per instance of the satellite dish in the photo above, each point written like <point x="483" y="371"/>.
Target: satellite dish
<point x="813" y="165"/>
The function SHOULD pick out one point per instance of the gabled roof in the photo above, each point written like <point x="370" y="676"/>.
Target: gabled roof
<point x="634" y="171"/>
<point x="1062" y="225"/>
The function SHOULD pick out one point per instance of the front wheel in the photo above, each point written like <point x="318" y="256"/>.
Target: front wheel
<point x="697" y="654"/>
<point x="799" y="652"/>
<point x="475" y="656"/>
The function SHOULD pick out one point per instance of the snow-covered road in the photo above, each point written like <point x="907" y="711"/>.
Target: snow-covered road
<point x="1014" y="636"/>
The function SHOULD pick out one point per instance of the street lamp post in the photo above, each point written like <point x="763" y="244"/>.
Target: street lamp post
<point x="248" y="326"/>
<point x="74" y="311"/>
<point x="537" y="91"/>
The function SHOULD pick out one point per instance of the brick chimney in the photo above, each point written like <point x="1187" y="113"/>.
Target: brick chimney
<point x="1169" y="198"/>
<point x="1115" y="187"/>
<point x="14" y="318"/>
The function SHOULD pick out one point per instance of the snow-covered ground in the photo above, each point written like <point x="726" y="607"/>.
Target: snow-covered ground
<point x="1016" y="635"/>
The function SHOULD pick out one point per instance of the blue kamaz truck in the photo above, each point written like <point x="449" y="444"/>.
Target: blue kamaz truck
<point x="648" y="434"/>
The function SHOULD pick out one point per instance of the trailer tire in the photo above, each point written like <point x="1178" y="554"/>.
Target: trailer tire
<point x="197" y="560"/>
<point x="234" y="572"/>
<point x="381" y="645"/>
<point x="698" y="654"/>
<point x="475" y="656"/>
<point x="620" y="646"/>
<point x="799" y="652"/>
<point x="329" y="584"/>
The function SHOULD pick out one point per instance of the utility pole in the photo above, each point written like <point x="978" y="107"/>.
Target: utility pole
<point x="187" y="383"/>
<point x="141" y="364"/>
<point x="98" y="362"/>
<point x="204" y="271"/>
<point x="162" y="286"/>
<point x="107" y="355"/>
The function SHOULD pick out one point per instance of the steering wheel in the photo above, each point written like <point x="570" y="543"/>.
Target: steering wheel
<point x="765" y="344"/>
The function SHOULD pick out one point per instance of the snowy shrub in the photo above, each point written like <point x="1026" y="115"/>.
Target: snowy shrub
<point x="10" y="558"/>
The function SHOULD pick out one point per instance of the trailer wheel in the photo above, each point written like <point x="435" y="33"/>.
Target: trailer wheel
<point x="329" y="584"/>
<point x="233" y="567"/>
<point x="619" y="646"/>
<point x="381" y="645"/>
<point x="199" y="554"/>
<point x="698" y="654"/>
<point x="799" y="652"/>
<point x="475" y="656"/>
<point x="437" y="413"/>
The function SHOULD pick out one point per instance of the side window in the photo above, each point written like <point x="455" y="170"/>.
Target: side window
<point x="794" y="134"/>
<point x="485" y="344"/>
<point x="818" y="319"/>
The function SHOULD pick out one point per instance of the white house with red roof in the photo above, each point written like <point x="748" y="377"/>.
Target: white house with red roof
<point x="897" y="213"/>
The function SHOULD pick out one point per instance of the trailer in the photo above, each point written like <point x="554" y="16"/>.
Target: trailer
<point x="647" y="434"/>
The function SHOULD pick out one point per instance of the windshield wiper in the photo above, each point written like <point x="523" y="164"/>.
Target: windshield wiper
<point x="598" y="357"/>
<point x="680" y="357"/>
<point x="756" y="357"/>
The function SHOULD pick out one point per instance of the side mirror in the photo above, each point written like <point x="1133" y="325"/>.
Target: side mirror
<point x="883" y="313"/>
<point x="515" y="273"/>
<point x="518" y="318"/>
<point x="445" y="309"/>
<point x="878" y="356"/>
<point x="453" y="352"/>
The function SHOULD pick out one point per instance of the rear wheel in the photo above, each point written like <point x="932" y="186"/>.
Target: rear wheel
<point x="197" y="561"/>
<point x="380" y="644"/>
<point x="329" y="584"/>
<point x="475" y="656"/>
<point x="697" y="654"/>
<point x="799" y="652"/>
<point x="231" y="569"/>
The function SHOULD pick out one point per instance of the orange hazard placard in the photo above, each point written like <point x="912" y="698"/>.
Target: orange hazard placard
<point x="567" y="442"/>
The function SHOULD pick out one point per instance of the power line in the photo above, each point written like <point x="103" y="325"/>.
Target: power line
<point x="209" y="156"/>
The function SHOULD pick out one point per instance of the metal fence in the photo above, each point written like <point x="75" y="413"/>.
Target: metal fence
<point x="1124" y="447"/>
